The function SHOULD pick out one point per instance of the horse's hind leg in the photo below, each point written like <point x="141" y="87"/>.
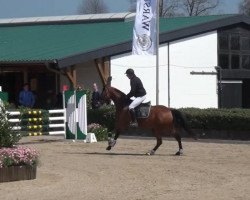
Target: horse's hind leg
<point x="159" y="142"/>
<point x="178" y="138"/>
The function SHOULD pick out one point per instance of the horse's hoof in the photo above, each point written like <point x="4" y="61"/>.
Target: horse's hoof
<point x="150" y="153"/>
<point x="108" y="148"/>
<point x="179" y="153"/>
<point x="111" y="142"/>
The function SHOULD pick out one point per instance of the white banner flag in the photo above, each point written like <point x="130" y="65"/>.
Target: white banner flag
<point x="145" y="31"/>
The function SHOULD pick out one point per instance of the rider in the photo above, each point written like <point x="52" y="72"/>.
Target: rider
<point x="137" y="91"/>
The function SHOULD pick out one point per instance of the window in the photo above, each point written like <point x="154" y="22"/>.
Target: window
<point x="235" y="61"/>
<point x="235" y="42"/>
<point x="245" y="43"/>
<point x="224" y="61"/>
<point x="246" y="61"/>
<point x="223" y="42"/>
<point x="234" y="48"/>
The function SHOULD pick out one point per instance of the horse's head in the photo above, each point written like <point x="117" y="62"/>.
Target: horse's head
<point x="110" y="93"/>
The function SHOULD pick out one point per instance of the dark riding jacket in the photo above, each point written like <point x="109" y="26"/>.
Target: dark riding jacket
<point x="137" y="89"/>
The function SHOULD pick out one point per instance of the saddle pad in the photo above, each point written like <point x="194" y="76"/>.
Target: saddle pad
<point x="142" y="111"/>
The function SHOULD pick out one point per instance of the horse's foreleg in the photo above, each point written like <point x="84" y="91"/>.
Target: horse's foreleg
<point x="159" y="142"/>
<point x="112" y="142"/>
<point x="178" y="138"/>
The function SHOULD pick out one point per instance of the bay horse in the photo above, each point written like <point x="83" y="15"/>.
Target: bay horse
<point x="161" y="120"/>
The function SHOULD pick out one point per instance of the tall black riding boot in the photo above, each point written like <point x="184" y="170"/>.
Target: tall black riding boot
<point x="133" y="118"/>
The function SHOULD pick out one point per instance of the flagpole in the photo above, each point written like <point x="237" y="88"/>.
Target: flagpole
<point x="157" y="52"/>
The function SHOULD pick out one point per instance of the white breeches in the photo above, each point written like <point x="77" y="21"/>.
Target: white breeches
<point x="136" y="102"/>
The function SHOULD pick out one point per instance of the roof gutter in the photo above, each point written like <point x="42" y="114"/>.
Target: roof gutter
<point x="21" y="63"/>
<point x="97" y="53"/>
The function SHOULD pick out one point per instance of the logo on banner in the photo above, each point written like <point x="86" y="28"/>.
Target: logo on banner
<point x="144" y="42"/>
<point x="144" y="31"/>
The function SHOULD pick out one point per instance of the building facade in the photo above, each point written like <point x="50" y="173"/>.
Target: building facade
<point x="204" y="61"/>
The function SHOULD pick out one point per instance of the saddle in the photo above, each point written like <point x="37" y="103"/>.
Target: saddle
<point x="143" y="110"/>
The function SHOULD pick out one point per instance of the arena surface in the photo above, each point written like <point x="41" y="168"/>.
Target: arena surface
<point x="208" y="170"/>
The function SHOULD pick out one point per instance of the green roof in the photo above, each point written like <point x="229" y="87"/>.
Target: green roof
<point x="48" y="42"/>
<point x="172" y="24"/>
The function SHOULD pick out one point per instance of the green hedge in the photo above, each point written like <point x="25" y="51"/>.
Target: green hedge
<point x="218" y="119"/>
<point x="206" y="119"/>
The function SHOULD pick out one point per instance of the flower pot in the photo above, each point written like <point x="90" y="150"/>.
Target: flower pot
<point x="17" y="173"/>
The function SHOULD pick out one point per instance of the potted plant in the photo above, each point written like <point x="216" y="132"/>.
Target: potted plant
<point x="16" y="162"/>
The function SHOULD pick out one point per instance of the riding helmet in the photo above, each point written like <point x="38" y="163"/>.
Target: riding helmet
<point x="130" y="72"/>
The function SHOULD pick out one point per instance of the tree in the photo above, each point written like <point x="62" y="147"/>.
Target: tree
<point x="92" y="7"/>
<point x="132" y="6"/>
<point x="198" y="7"/>
<point x="167" y="8"/>
<point x="244" y="7"/>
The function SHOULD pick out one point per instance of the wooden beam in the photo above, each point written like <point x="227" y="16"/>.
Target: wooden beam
<point x="71" y="74"/>
<point x="107" y="67"/>
<point x="103" y="68"/>
<point x="99" y="67"/>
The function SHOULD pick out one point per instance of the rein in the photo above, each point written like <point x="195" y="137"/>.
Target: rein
<point x="117" y="96"/>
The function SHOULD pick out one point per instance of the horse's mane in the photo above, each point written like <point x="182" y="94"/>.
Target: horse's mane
<point x="119" y="92"/>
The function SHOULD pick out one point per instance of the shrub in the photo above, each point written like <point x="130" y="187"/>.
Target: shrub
<point x="88" y="98"/>
<point x="104" y="116"/>
<point x="206" y="119"/>
<point x="218" y="119"/>
<point x="8" y="137"/>
<point x="100" y="132"/>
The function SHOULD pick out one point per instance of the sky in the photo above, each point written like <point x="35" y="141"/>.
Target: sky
<point x="37" y="8"/>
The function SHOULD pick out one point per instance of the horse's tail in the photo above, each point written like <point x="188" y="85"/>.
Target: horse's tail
<point x="180" y="121"/>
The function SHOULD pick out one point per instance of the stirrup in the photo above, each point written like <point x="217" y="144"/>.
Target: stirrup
<point x="133" y="124"/>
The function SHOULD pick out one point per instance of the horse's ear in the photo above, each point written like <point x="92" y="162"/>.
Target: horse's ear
<point x="109" y="80"/>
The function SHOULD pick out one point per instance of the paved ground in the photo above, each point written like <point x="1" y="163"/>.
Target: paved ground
<point x="208" y="170"/>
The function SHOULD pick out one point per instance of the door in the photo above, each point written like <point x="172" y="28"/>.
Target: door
<point x="246" y="93"/>
<point x="12" y="83"/>
<point x="231" y="94"/>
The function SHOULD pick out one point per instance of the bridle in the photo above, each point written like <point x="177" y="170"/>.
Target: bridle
<point x="105" y="93"/>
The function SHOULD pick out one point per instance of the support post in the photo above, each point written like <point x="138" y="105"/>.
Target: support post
<point x="218" y="69"/>
<point x="157" y="53"/>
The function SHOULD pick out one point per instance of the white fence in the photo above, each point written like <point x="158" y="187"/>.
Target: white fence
<point x="54" y="123"/>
